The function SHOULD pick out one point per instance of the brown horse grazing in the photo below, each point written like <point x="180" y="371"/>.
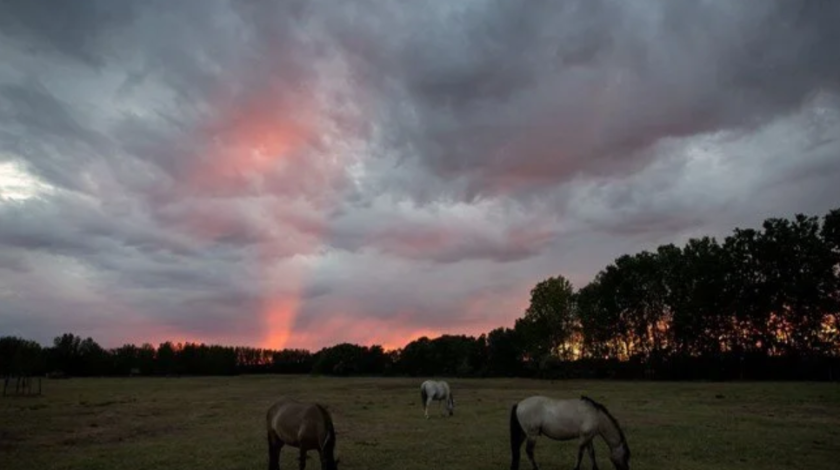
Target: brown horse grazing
<point x="306" y="426"/>
<point x="563" y="420"/>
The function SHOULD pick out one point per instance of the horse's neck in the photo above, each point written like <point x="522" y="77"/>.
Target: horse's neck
<point x="608" y="430"/>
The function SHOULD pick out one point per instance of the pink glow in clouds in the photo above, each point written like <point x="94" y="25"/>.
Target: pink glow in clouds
<point x="473" y="315"/>
<point x="465" y="240"/>
<point x="275" y="180"/>
<point x="268" y="178"/>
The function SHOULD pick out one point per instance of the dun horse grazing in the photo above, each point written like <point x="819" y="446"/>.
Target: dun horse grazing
<point x="563" y="420"/>
<point x="306" y="426"/>
<point x="431" y="390"/>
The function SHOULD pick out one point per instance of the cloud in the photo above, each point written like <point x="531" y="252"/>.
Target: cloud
<point x="706" y="184"/>
<point x="443" y="233"/>
<point x="74" y="29"/>
<point x="287" y="173"/>
<point x="672" y="73"/>
<point x="398" y="299"/>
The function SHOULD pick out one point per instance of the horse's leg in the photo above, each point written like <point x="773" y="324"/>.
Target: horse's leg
<point x="581" y="447"/>
<point x="322" y="460"/>
<point x="428" y="403"/>
<point x="529" y="449"/>
<point x="274" y="446"/>
<point x="302" y="459"/>
<point x="591" y="449"/>
<point x="584" y="443"/>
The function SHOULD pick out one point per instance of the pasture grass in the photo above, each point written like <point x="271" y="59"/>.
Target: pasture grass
<point x="218" y="423"/>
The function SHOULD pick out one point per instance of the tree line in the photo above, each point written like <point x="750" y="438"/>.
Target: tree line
<point x="760" y="304"/>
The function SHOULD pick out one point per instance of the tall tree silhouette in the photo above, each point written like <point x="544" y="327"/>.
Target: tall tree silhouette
<point x="549" y="321"/>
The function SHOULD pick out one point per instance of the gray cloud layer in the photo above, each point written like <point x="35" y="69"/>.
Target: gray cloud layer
<point x="189" y="166"/>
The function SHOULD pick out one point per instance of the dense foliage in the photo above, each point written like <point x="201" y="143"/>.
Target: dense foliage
<point x="761" y="304"/>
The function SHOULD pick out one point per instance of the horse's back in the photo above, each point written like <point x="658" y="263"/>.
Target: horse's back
<point x="430" y="384"/>
<point x="435" y="388"/>
<point x="284" y="414"/>
<point x="559" y="419"/>
<point x="286" y="408"/>
<point x="298" y="424"/>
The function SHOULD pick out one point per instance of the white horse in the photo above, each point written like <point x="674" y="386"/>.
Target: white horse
<point x="432" y="390"/>
<point x="564" y="420"/>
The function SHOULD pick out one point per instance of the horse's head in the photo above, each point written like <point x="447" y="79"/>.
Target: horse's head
<point x="620" y="457"/>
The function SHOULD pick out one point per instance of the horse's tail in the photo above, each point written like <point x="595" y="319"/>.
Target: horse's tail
<point x="423" y="396"/>
<point x="517" y="435"/>
<point x="328" y="446"/>
<point x="329" y="438"/>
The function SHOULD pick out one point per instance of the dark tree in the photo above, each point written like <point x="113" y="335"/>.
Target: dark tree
<point x="165" y="359"/>
<point x="67" y="355"/>
<point x="417" y="358"/>
<point x="504" y="353"/>
<point x="696" y="286"/>
<point x="291" y="361"/>
<point x="350" y="359"/>
<point x="549" y="321"/>
<point x="19" y="356"/>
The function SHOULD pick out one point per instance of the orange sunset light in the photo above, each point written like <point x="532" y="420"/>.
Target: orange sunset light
<point x="279" y="316"/>
<point x="390" y="333"/>
<point x="267" y="138"/>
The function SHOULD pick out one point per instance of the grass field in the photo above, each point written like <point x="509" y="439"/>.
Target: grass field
<point x="218" y="423"/>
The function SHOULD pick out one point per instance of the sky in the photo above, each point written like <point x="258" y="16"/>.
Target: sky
<point x="304" y="173"/>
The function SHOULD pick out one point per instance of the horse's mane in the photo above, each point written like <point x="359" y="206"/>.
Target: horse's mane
<point x="604" y="410"/>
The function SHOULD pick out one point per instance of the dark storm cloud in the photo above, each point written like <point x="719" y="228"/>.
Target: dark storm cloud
<point x="194" y="151"/>
<point x="646" y="74"/>
<point x="490" y="98"/>
<point x="46" y="131"/>
<point x="316" y="290"/>
<point x="42" y="226"/>
<point x="36" y="110"/>
<point x="70" y="226"/>
<point x="442" y="239"/>
<point x="13" y="262"/>
<point x="77" y="29"/>
<point x="19" y="231"/>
